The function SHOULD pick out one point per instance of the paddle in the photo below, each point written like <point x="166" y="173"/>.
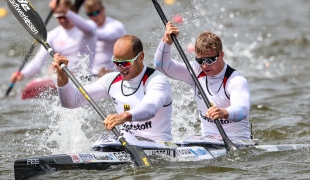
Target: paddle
<point x="78" y="4"/>
<point x="230" y="146"/>
<point x="32" y="22"/>
<point x="28" y="54"/>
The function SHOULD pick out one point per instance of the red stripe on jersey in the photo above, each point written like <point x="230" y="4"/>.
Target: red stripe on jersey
<point x="117" y="79"/>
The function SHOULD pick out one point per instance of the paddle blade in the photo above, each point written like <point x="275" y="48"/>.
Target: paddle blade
<point x="28" y="18"/>
<point x="138" y="155"/>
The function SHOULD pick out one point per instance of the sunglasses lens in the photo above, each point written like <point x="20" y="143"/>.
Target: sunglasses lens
<point x="95" y="13"/>
<point x="61" y="17"/>
<point x="123" y="64"/>
<point x="207" y="60"/>
<point x="199" y="60"/>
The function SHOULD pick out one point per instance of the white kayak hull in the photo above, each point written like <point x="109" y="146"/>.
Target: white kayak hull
<point x="27" y="167"/>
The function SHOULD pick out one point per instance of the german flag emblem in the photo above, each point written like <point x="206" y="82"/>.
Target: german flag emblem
<point x="126" y="107"/>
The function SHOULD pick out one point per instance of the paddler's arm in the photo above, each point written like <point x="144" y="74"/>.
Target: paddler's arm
<point x="69" y="95"/>
<point x="158" y="94"/>
<point x="62" y="78"/>
<point x="16" y="76"/>
<point x="87" y="26"/>
<point x="170" y="29"/>
<point x="53" y="4"/>
<point x="240" y="98"/>
<point x="163" y="58"/>
<point x="116" y="119"/>
<point x="215" y="112"/>
<point x="240" y="101"/>
<point x="33" y="67"/>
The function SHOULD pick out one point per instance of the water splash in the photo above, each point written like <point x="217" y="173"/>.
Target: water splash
<point x="185" y="120"/>
<point x="61" y="129"/>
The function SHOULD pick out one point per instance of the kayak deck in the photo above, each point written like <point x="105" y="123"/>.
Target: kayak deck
<point x="28" y="167"/>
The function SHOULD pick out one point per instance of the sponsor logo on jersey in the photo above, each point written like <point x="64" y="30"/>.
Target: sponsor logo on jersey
<point x="222" y="121"/>
<point x="146" y="125"/>
<point x="144" y="139"/>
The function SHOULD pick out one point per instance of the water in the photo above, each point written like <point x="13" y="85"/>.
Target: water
<point x="267" y="41"/>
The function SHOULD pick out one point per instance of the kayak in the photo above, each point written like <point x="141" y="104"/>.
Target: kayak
<point x="103" y="158"/>
<point x="28" y="167"/>
<point x="38" y="87"/>
<point x="41" y="87"/>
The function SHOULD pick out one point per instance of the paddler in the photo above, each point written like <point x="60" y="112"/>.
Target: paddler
<point x="226" y="89"/>
<point x="141" y="95"/>
<point x="69" y="39"/>
<point x="108" y="31"/>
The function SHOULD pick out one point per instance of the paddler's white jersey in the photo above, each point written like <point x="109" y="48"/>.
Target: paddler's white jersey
<point x="235" y="97"/>
<point x="107" y="34"/>
<point x="219" y="95"/>
<point x="148" y="99"/>
<point x="75" y="43"/>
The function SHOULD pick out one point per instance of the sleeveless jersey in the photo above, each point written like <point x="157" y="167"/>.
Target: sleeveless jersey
<point x="158" y="127"/>
<point x="221" y="100"/>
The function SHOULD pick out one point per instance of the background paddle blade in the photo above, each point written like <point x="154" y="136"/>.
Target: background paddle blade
<point x="28" y="18"/>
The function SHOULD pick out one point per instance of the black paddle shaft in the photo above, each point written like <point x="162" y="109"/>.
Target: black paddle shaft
<point x="230" y="146"/>
<point x="33" y="23"/>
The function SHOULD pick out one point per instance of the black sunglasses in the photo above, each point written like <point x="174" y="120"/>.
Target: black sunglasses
<point x="95" y="13"/>
<point x="207" y="60"/>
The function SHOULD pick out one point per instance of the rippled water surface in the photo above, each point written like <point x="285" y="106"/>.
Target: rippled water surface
<point x="267" y="41"/>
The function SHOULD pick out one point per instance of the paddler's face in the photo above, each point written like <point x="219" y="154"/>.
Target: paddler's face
<point x="213" y="66"/>
<point x="123" y="53"/>
<point x="59" y="13"/>
<point x="97" y="15"/>
<point x="64" y="22"/>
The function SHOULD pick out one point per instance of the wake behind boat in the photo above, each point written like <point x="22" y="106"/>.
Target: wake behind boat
<point x="201" y="148"/>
